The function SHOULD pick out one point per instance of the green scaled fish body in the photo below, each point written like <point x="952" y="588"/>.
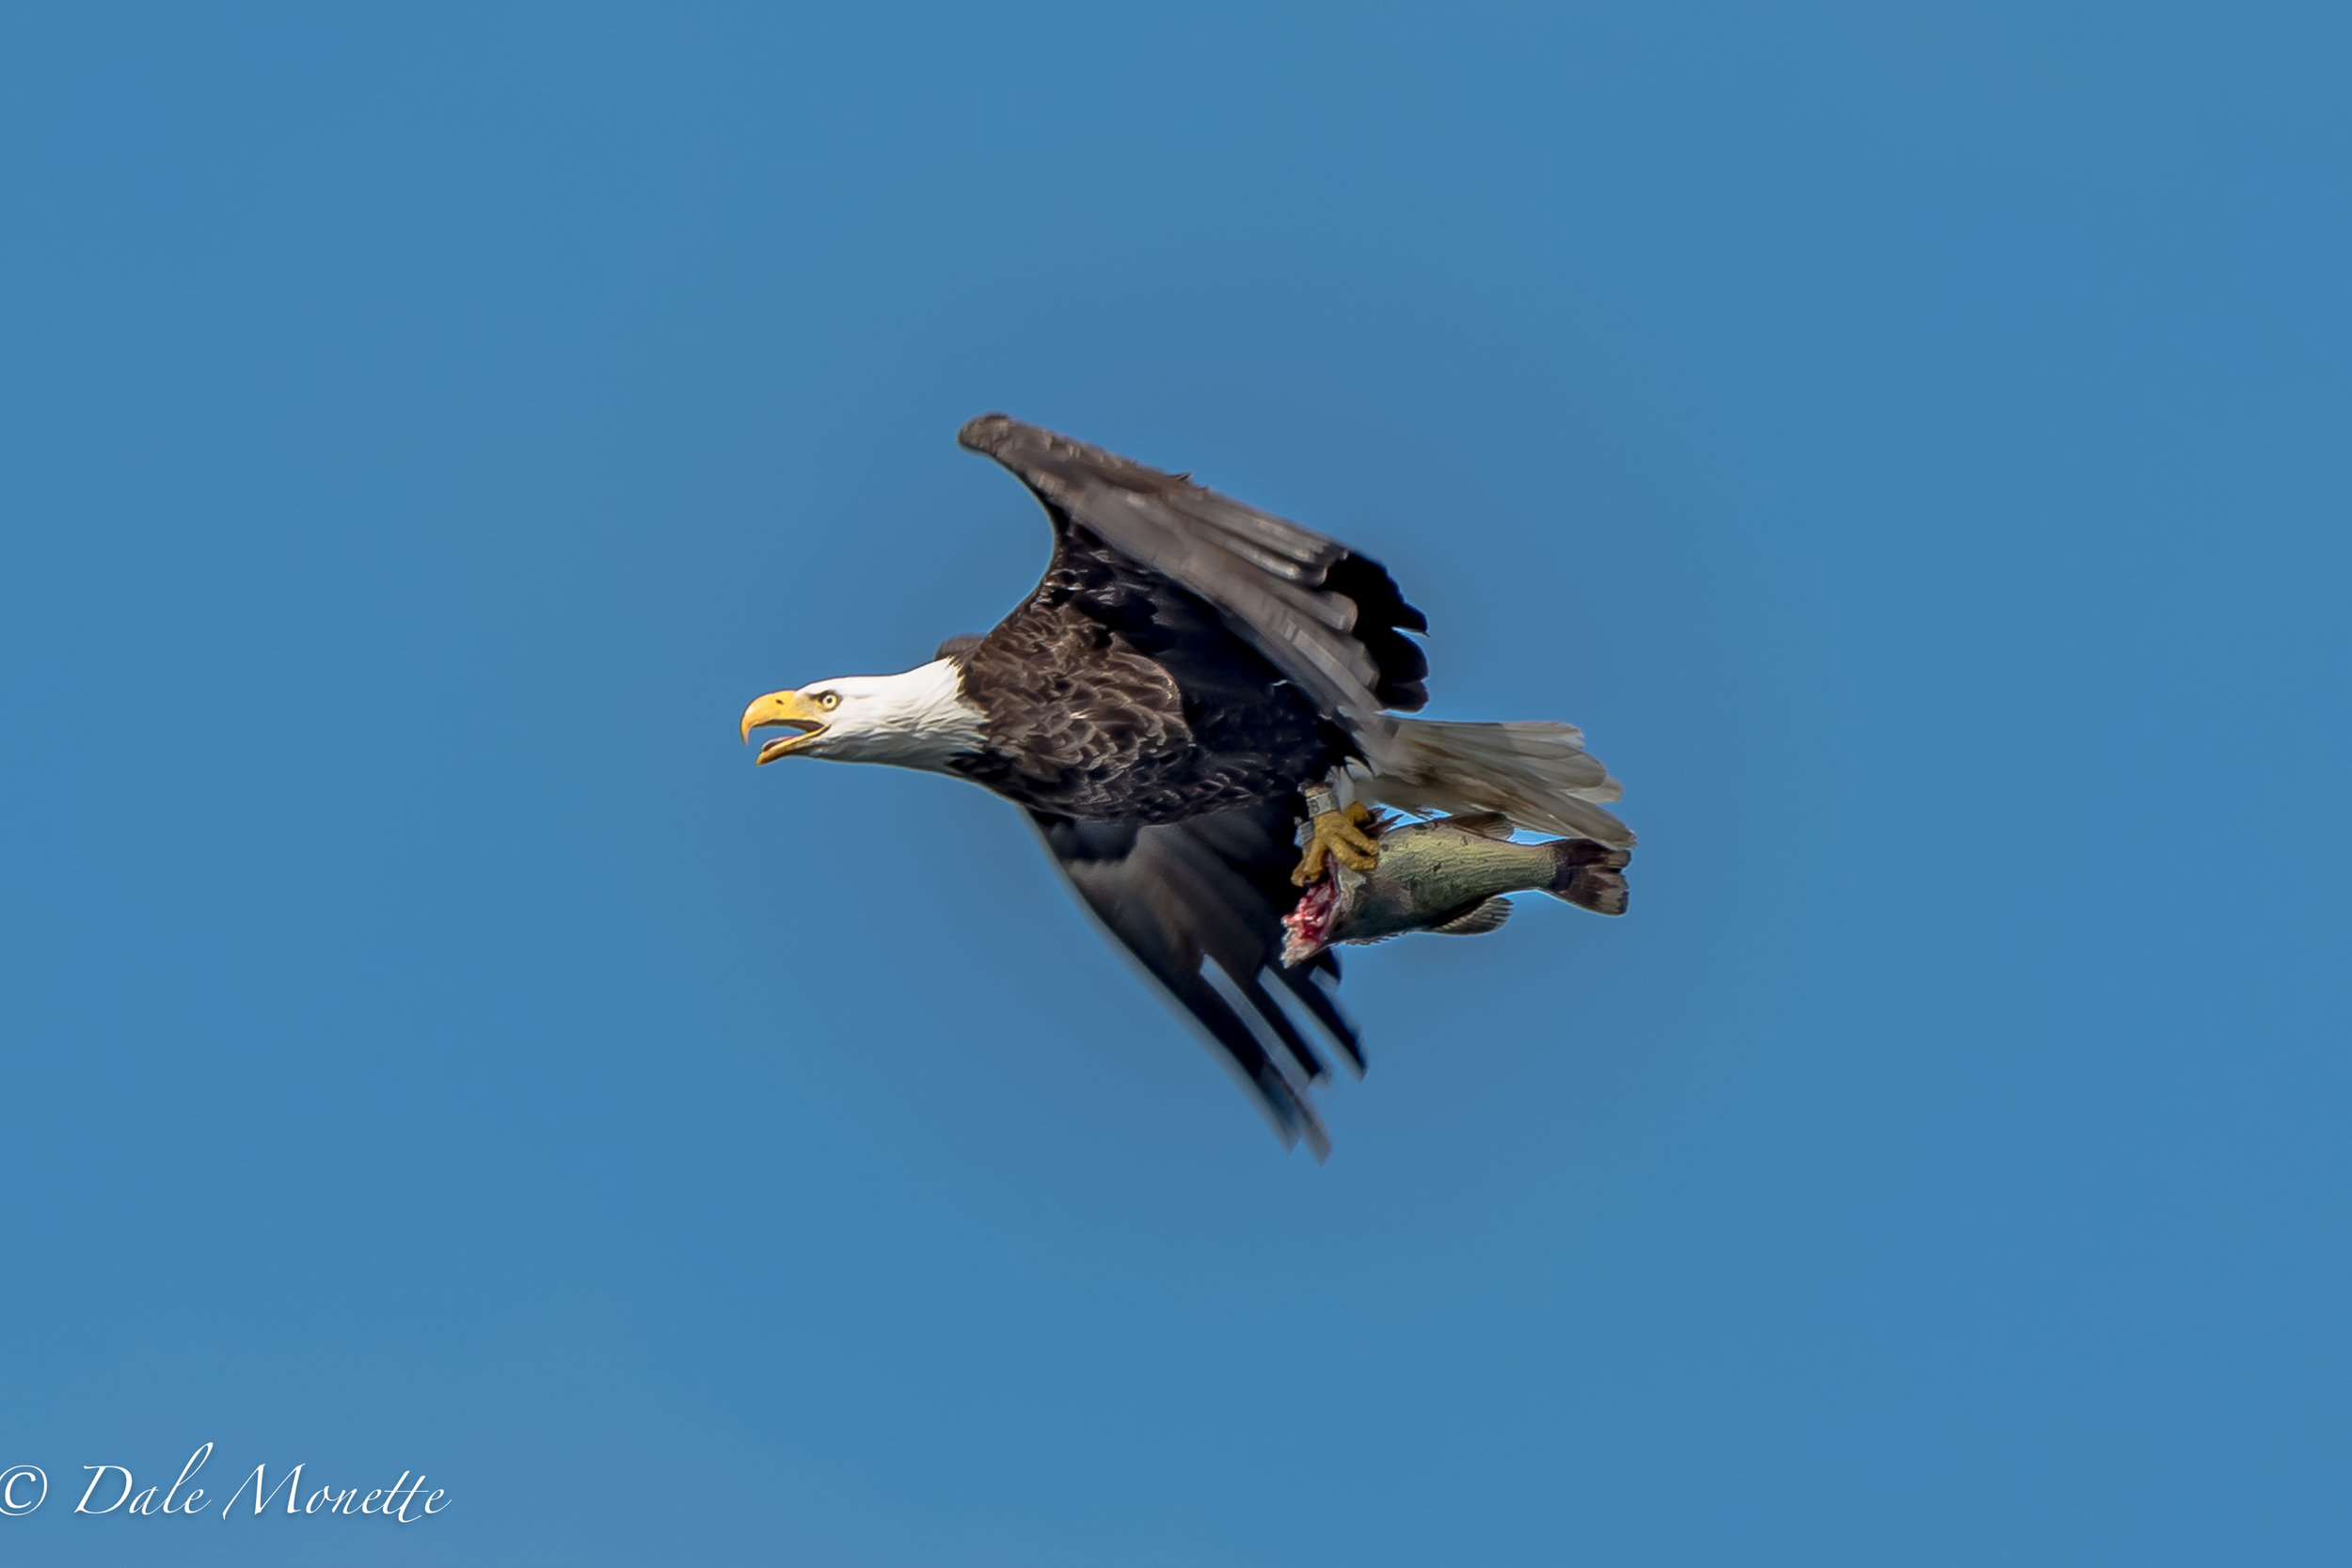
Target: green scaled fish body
<point x="1450" y="875"/>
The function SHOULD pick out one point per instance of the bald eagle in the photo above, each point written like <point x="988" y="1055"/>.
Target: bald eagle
<point x="1196" y="692"/>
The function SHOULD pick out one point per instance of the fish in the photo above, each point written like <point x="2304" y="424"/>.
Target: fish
<point x="1449" y="875"/>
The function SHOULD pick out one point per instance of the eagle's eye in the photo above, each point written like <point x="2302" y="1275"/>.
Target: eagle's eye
<point x="829" y="699"/>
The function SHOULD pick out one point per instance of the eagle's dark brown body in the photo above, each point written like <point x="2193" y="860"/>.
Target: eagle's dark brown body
<point x="1113" y="696"/>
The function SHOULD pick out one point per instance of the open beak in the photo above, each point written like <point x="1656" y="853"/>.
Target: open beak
<point x="788" y="708"/>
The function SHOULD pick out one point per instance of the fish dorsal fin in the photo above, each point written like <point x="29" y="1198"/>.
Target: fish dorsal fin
<point x="1485" y="824"/>
<point x="1481" y="919"/>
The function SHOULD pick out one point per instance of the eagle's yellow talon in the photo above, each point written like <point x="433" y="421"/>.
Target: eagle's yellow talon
<point x="1336" y="836"/>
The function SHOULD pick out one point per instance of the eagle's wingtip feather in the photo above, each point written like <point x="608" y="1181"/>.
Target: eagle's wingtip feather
<point x="987" y="432"/>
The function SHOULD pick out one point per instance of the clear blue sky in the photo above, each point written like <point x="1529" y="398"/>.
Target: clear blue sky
<point x="1913" y="441"/>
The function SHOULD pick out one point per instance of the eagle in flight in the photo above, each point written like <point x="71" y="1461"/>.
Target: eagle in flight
<point x="1194" y="706"/>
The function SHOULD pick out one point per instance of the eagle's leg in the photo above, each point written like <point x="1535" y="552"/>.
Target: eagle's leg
<point x="1334" y="833"/>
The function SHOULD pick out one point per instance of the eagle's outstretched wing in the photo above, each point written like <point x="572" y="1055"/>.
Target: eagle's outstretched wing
<point x="1199" y="906"/>
<point x="1330" y="620"/>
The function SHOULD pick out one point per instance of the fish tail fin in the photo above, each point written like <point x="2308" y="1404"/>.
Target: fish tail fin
<point x="1538" y="774"/>
<point x="1588" y="875"/>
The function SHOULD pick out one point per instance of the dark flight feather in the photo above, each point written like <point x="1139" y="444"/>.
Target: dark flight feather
<point x="1212" y="890"/>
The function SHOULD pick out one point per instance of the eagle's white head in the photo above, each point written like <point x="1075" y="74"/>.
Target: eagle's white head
<point x="917" y="719"/>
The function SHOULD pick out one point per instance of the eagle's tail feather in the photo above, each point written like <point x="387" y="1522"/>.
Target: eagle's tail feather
<point x="1538" y="773"/>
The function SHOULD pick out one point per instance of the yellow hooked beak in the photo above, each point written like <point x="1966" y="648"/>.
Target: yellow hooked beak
<point x="783" y="707"/>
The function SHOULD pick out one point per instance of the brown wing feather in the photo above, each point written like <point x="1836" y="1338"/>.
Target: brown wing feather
<point x="1327" y="618"/>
